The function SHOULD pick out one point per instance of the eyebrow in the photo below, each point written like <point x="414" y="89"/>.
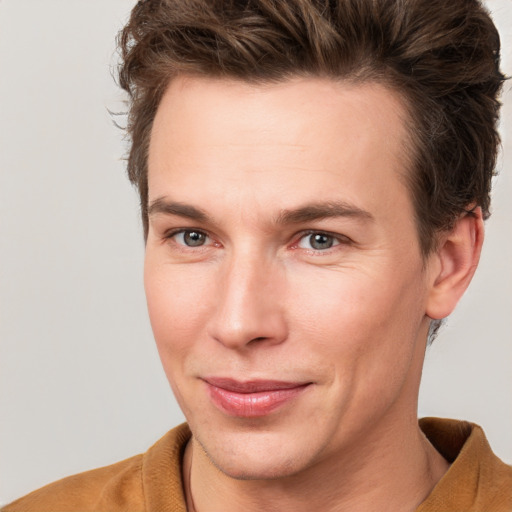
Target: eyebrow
<point x="307" y="213"/>
<point x="317" y="211"/>
<point x="162" y="205"/>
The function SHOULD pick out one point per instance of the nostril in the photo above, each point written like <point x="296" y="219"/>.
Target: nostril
<point x="261" y="338"/>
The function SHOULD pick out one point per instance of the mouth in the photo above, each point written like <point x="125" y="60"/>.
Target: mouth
<point x="251" y="399"/>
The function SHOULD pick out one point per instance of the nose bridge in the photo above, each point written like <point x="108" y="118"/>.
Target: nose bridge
<point x="249" y="308"/>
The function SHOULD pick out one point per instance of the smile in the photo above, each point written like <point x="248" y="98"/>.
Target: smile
<point x="251" y="399"/>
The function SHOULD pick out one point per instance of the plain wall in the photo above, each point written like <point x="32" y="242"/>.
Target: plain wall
<point x="80" y="381"/>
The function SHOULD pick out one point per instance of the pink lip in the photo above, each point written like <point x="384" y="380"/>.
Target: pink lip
<point x="253" y="398"/>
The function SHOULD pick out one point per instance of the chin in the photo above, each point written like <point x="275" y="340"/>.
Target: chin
<point x="255" y="456"/>
<point x="255" y="468"/>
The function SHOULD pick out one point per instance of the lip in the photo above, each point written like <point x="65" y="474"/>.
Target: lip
<point x="251" y="399"/>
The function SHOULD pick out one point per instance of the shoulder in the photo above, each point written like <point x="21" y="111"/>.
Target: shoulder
<point x="131" y="484"/>
<point x="86" y="491"/>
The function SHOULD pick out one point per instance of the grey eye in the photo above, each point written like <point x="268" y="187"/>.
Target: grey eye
<point x="318" y="241"/>
<point x="191" y="238"/>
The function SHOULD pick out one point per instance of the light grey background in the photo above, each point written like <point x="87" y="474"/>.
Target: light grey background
<point x="80" y="380"/>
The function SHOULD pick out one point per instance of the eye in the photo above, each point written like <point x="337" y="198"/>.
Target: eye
<point x="190" y="237"/>
<point x="318" y="241"/>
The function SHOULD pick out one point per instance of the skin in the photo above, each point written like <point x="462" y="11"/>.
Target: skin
<point x="256" y="300"/>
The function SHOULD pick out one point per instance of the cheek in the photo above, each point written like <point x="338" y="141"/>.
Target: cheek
<point x="175" y="305"/>
<point x="365" y="329"/>
<point x="345" y="300"/>
<point x="361" y="316"/>
<point x="176" y="311"/>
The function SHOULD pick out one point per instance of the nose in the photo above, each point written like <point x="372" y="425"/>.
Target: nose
<point x="249" y="308"/>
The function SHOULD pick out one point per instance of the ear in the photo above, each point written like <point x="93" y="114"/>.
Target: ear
<point x="454" y="263"/>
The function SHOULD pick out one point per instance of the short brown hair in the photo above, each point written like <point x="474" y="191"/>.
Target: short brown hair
<point x="441" y="55"/>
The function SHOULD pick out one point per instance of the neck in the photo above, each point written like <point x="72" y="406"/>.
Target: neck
<point x="394" y="469"/>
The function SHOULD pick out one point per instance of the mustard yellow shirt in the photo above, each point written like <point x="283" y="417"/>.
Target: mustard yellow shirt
<point x="477" y="480"/>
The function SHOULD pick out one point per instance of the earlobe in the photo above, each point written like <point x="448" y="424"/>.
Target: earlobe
<point x="456" y="260"/>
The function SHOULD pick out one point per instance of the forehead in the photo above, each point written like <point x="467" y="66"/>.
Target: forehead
<point x="289" y="141"/>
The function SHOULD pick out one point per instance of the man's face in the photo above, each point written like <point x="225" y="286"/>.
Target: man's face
<point x="283" y="273"/>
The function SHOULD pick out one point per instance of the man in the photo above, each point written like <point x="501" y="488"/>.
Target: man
<point x="314" y="178"/>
